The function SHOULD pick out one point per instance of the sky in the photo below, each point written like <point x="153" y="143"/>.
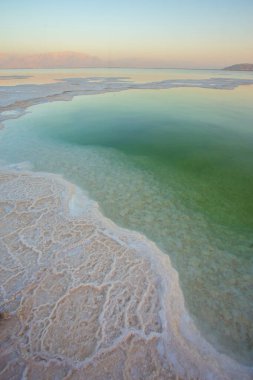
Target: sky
<point x="142" y="33"/>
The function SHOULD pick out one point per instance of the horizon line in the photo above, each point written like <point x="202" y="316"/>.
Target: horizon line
<point x="110" y="67"/>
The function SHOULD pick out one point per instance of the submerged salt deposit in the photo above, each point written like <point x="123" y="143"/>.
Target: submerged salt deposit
<point x="87" y="299"/>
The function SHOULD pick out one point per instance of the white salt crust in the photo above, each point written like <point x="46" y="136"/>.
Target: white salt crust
<point x="85" y="299"/>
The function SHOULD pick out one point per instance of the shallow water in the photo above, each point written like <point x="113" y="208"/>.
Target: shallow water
<point x="175" y="165"/>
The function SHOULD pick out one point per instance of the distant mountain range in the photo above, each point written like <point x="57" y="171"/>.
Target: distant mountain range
<point x="64" y="59"/>
<point x="240" y="67"/>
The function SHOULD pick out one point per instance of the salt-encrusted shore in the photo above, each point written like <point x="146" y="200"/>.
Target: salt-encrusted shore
<point x="14" y="100"/>
<point x="82" y="298"/>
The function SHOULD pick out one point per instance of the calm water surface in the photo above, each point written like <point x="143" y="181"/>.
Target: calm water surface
<point x="174" y="164"/>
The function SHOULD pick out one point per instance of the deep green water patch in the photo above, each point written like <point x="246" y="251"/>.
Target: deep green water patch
<point x="175" y="165"/>
<point x="206" y="148"/>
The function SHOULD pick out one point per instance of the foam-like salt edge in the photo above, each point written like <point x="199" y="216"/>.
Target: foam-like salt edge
<point x="88" y="299"/>
<point x="14" y="100"/>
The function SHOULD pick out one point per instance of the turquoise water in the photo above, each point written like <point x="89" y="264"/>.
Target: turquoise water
<point x="175" y="165"/>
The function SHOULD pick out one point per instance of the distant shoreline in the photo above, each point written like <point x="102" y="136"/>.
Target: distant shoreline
<point x="111" y="67"/>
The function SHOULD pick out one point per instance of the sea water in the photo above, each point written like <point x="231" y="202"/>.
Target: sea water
<point x="173" y="164"/>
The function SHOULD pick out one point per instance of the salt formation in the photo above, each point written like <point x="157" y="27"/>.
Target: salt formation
<point x="14" y="100"/>
<point x="85" y="299"/>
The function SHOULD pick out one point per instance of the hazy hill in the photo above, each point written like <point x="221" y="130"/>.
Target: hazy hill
<point x="240" y="67"/>
<point x="65" y="59"/>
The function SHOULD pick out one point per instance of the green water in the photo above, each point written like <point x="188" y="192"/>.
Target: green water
<point x="204" y="146"/>
<point x="175" y="165"/>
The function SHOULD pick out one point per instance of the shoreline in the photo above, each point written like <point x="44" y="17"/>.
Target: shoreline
<point x="15" y="100"/>
<point x="152" y="322"/>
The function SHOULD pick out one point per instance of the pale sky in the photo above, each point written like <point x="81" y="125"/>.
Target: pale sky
<point x="151" y="33"/>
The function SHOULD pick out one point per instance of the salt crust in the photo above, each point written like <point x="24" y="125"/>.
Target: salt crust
<point x="14" y="100"/>
<point x="87" y="299"/>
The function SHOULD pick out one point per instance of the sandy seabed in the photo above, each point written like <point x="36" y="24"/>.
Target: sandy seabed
<point x="82" y="298"/>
